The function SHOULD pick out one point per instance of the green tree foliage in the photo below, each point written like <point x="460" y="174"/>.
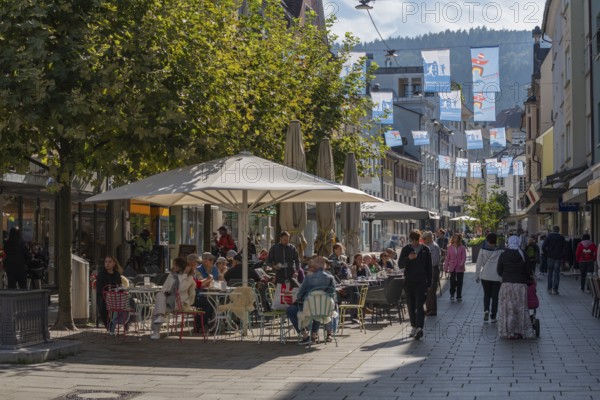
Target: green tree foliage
<point x="489" y="210"/>
<point x="129" y="88"/>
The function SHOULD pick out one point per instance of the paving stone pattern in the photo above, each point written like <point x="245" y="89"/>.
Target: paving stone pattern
<point x="460" y="357"/>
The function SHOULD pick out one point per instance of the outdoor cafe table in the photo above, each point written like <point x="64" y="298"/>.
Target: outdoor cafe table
<point x="215" y="298"/>
<point x="144" y="298"/>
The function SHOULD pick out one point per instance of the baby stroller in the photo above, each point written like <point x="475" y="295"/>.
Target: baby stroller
<point x="532" y="304"/>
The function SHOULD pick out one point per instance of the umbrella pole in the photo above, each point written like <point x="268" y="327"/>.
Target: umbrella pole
<point x="370" y="235"/>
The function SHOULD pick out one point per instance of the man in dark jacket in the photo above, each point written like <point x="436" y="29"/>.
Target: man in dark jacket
<point x="555" y="249"/>
<point x="283" y="257"/>
<point x="415" y="260"/>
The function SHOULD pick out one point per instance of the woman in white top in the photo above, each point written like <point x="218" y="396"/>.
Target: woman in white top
<point x="486" y="272"/>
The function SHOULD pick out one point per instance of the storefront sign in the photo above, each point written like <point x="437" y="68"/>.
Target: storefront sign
<point x="548" y="208"/>
<point x="564" y="206"/>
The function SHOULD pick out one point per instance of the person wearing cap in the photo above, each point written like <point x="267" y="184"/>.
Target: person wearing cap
<point x="225" y="242"/>
<point x="283" y="256"/>
<point x="229" y="258"/>
<point x="235" y="272"/>
<point x="207" y="268"/>
<point x="222" y="268"/>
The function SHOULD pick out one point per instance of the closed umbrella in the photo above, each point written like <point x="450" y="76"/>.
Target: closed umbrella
<point x="325" y="211"/>
<point x="350" y="212"/>
<point x="292" y="216"/>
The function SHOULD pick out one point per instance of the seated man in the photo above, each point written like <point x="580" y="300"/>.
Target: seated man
<point x="235" y="272"/>
<point x="316" y="279"/>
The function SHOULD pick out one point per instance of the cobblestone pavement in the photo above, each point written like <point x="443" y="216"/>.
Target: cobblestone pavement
<point x="460" y="357"/>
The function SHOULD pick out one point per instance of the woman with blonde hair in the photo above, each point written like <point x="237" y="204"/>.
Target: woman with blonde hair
<point x="109" y="275"/>
<point x="456" y="257"/>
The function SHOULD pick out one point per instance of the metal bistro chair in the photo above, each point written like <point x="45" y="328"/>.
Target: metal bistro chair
<point x="384" y="298"/>
<point x="273" y="315"/>
<point x="320" y="306"/>
<point x="179" y="311"/>
<point x="360" y="310"/>
<point x="119" y="310"/>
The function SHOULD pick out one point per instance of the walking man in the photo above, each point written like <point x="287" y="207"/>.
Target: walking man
<point x="436" y="255"/>
<point x="555" y="250"/>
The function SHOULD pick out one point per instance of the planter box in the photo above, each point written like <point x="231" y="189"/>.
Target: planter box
<point x="23" y="318"/>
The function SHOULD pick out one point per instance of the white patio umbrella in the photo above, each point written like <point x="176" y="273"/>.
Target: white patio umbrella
<point x="391" y="210"/>
<point x="350" y="211"/>
<point x="325" y="211"/>
<point x="292" y="216"/>
<point x="464" y="218"/>
<point x="242" y="183"/>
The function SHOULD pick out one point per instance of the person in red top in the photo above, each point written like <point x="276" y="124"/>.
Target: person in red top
<point x="585" y="256"/>
<point x="225" y="242"/>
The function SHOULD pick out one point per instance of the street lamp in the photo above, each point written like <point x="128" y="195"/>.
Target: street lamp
<point x="364" y="5"/>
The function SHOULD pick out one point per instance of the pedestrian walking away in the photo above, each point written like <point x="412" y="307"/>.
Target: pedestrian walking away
<point x="486" y="273"/>
<point x="585" y="256"/>
<point x="555" y="249"/>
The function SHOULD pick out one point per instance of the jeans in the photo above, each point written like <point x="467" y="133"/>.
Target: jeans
<point x="292" y="313"/>
<point x="585" y="267"/>
<point x="490" y="294"/>
<point x="553" y="273"/>
<point x="456" y="283"/>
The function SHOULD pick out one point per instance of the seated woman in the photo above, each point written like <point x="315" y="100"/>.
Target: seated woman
<point x="180" y="279"/>
<point x="513" y="315"/>
<point x="385" y="263"/>
<point x="108" y="275"/>
<point x="359" y="268"/>
<point x="371" y="263"/>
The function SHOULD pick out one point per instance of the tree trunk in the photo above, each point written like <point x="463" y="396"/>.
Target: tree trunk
<point x="65" y="316"/>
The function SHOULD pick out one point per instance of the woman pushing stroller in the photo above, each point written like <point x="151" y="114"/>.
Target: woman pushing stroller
<point x="514" y="321"/>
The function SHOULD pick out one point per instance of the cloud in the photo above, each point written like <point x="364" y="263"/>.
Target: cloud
<point x="412" y="18"/>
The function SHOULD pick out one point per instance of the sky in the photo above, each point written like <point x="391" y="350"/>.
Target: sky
<point x="403" y="18"/>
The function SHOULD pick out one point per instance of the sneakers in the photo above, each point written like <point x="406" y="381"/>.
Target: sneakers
<point x="459" y="299"/>
<point x="486" y="316"/>
<point x="329" y="337"/>
<point x="413" y="332"/>
<point x="451" y="298"/>
<point x="554" y="291"/>
<point x="419" y="334"/>
<point x="155" y="336"/>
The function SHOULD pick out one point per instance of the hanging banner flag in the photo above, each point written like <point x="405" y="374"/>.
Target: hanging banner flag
<point x="461" y="167"/>
<point x="444" y="162"/>
<point x="421" y="138"/>
<point x="497" y="137"/>
<point x="450" y="106"/>
<point x="485" y="69"/>
<point x="491" y="166"/>
<point x="351" y="63"/>
<point x="476" y="170"/>
<point x="393" y="138"/>
<point x="382" y="103"/>
<point x="484" y="105"/>
<point x="474" y="140"/>
<point x="518" y="168"/>
<point x="436" y="69"/>
<point x="504" y="167"/>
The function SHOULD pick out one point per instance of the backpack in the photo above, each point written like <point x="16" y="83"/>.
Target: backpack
<point x="530" y="251"/>
<point x="587" y="254"/>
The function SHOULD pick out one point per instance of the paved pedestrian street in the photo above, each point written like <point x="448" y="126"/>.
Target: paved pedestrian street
<point x="460" y="357"/>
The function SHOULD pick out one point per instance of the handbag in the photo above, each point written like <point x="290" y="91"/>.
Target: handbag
<point x="285" y="295"/>
<point x="533" y="301"/>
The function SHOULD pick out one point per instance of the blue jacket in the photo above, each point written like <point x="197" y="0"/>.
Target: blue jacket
<point x="317" y="280"/>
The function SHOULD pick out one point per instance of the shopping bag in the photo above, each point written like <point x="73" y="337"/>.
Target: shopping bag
<point x="285" y="295"/>
<point x="533" y="301"/>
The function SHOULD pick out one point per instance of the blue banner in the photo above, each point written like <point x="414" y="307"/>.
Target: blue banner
<point x="497" y="137"/>
<point x="436" y="69"/>
<point x="421" y="138"/>
<point x="352" y="63"/>
<point x="461" y="167"/>
<point x="450" y="106"/>
<point x="476" y="170"/>
<point x="474" y="140"/>
<point x="519" y="168"/>
<point x="383" y="107"/>
<point x="484" y="106"/>
<point x="444" y="162"/>
<point x="393" y="138"/>
<point x="505" y="167"/>
<point x="485" y="69"/>
<point x="491" y="166"/>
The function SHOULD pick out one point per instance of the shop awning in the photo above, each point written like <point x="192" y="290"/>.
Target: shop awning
<point x="563" y="176"/>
